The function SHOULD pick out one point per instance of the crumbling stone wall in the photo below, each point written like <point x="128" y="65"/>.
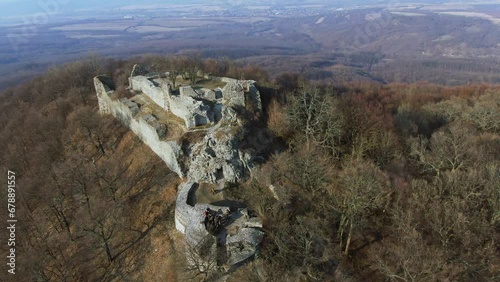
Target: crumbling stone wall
<point x="158" y="89"/>
<point x="193" y="112"/>
<point x="214" y="159"/>
<point x="233" y="94"/>
<point x="168" y="151"/>
<point x="103" y="86"/>
<point x="188" y="91"/>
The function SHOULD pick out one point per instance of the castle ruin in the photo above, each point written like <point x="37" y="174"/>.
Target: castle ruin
<point x="162" y="117"/>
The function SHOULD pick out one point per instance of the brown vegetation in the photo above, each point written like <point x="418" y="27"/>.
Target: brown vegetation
<point x="381" y="183"/>
<point x="373" y="183"/>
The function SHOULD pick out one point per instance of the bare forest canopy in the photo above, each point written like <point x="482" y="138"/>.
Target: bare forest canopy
<point x="372" y="182"/>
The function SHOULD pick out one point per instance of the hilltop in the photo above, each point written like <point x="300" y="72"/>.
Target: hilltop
<point x="363" y="181"/>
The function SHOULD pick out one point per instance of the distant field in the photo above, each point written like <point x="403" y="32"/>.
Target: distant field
<point x="154" y="29"/>
<point x="363" y="40"/>
<point x="408" y="14"/>
<point x="491" y="18"/>
<point x="105" y="26"/>
<point x="152" y="26"/>
<point x="94" y="36"/>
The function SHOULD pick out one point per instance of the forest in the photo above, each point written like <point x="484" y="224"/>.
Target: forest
<point x="371" y="181"/>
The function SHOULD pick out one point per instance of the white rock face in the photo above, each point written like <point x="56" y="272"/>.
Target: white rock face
<point x="233" y="94"/>
<point x="255" y="97"/>
<point x="210" y="95"/>
<point x="243" y="245"/>
<point x="215" y="159"/>
<point x="240" y="92"/>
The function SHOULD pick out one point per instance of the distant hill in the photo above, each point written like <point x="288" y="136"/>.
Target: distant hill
<point x="446" y="44"/>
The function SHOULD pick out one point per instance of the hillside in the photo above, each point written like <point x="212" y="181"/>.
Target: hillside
<point x="366" y="181"/>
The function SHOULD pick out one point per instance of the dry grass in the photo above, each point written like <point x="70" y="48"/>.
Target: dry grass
<point x="193" y="137"/>
<point x="204" y="194"/>
<point x="210" y="84"/>
<point x="154" y="257"/>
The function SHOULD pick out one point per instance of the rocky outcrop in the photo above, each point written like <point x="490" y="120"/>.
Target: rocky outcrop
<point x="241" y="93"/>
<point x="243" y="245"/>
<point x="254" y="96"/>
<point x="216" y="158"/>
<point x="211" y="95"/>
<point x="240" y="239"/>
<point x="233" y="94"/>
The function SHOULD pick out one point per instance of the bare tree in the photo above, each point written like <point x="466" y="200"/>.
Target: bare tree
<point x="201" y="259"/>
<point x="362" y="189"/>
<point x="448" y="149"/>
<point x="190" y="67"/>
<point x="172" y="76"/>
<point x="315" y="114"/>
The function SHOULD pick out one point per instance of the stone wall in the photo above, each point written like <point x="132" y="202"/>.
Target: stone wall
<point x="157" y="89"/>
<point x="167" y="151"/>
<point x="184" y="213"/>
<point x="214" y="159"/>
<point x="188" y="91"/>
<point x="104" y="88"/>
<point x="193" y="112"/>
